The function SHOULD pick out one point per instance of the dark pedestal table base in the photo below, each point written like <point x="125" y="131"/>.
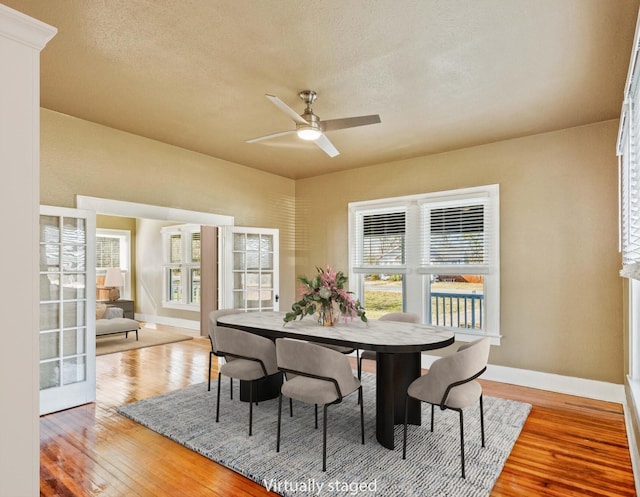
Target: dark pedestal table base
<point x="394" y="374"/>
<point x="268" y="388"/>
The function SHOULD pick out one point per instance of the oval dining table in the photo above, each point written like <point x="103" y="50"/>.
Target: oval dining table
<point x="397" y="345"/>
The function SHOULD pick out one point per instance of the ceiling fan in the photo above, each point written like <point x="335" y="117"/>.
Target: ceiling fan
<point x="309" y="126"/>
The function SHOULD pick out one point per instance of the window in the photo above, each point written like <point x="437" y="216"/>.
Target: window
<point x="628" y="150"/>
<point x="113" y="248"/>
<point x="181" y="267"/>
<point x="435" y="254"/>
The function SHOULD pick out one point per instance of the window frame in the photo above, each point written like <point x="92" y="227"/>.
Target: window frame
<point x="186" y="265"/>
<point x="416" y="272"/>
<point x="124" y="237"/>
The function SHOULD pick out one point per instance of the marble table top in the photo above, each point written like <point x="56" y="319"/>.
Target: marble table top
<point x="380" y="336"/>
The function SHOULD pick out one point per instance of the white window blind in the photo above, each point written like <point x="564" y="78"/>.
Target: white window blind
<point x="629" y="174"/>
<point x="107" y="252"/>
<point x="457" y="233"/>
<point x="380" y="240"/>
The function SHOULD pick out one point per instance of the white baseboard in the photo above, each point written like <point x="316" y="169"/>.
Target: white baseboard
<point x="179" y="323"/>
<point x="592" y="389"/>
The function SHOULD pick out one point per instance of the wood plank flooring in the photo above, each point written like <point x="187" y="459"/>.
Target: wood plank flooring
<point x="569" y="445"/>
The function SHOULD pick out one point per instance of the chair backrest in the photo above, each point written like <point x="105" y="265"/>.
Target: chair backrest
<point x="469" y="360"/>
<point x="405" y="317"/>
<point x="213" y="319"/>
<point x="242" y="344"/>
<point x="312" y="359"/>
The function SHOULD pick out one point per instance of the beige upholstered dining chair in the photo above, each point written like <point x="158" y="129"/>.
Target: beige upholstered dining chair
<point x="315" y="375"/>
<point x="213" y="319"/>
<point x="249" y="358"/>
<point x="450" y="384"/>
<point x="404" y="317"/>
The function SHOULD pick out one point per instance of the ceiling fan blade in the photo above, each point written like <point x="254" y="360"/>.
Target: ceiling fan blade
<point x="286" y="109"/>
<point x="272" y="135"/>
<point x="326" y="145"/>
<point x="349" y="122"/>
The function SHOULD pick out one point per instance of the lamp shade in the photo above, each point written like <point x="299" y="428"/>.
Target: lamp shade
<point x="114" y="277"/>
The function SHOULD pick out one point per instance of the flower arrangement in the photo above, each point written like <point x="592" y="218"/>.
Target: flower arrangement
<point x="325" y="295"/>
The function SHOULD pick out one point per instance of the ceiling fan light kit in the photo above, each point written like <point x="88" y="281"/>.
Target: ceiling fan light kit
<point x="308" y="133"/>
<point x="310" y="128"/>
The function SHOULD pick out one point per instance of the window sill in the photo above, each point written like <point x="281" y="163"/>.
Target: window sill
<point x="462" y="336"/>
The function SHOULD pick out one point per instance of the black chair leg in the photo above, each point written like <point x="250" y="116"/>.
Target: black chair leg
<point x="462" y="440"/>
<point x="218" y="402"/>
<point x="279" y="421"/>
<point x="432" y="415"/>
<point x="406" y="419"/>
<point x="316" y="407"/>
<point x="290" y="407"/>
<point x="250" y="407"/>
<point x="359" y="363"/>
<point x="231" y="388"/>
<point x="324" y="438"/>
<point x="209" y="387"/>
<point x="361" y="413"/>
<point x="481" y="420"/>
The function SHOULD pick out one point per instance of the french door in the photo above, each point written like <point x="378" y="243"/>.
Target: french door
<point x="249" y="274"/>
<point x="67" y="308"/>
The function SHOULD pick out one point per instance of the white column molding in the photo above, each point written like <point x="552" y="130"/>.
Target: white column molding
<point x="21" y="39"/>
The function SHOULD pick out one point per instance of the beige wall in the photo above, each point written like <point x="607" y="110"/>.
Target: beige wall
<point x="83" y="158"/>
<point x="561" y="296"/>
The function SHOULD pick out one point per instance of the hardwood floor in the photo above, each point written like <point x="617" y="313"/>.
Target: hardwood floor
<point x="569" y="445"/>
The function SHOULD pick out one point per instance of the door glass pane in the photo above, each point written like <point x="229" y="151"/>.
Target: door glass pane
<point x="238" y="300"/>
<point x="49" y="257"/>
<point x="457" y="300"/>
<point x="266" y="260"/>
<point x="74" y="258"/>
<point x="74" y="370"/>
<point x="383" y="293"/>
<point x="49" y="316"/>
<point x="266" y="280"/>
<point x="74" y="286"/>
<point x="238" y="260"/>
<point x="74" y="342"/>
<point x="49" y="345"/>
<point x="74" y="314"/>
<point x="49" y="286"/>
<point x="266" y="299"/>
<point x="253" y="242"/>
<point x="74" y="231"/>
<point x="239" y="242"/>
<point x="252" y="288"/>
<point x="266" y="243"/>
<point x="253" y="260"/>
<point x="49" y="229"/>
<point x="49" y="374"/>
<point x="238" y="281"/>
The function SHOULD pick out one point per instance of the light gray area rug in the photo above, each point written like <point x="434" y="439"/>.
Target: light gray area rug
<point x="432" y="467"/>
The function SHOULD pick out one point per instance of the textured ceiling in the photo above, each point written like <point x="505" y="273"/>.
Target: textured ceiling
<point x="442" y="74"/>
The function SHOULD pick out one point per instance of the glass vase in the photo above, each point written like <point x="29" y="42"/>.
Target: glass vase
<point x="327" y="315"/>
